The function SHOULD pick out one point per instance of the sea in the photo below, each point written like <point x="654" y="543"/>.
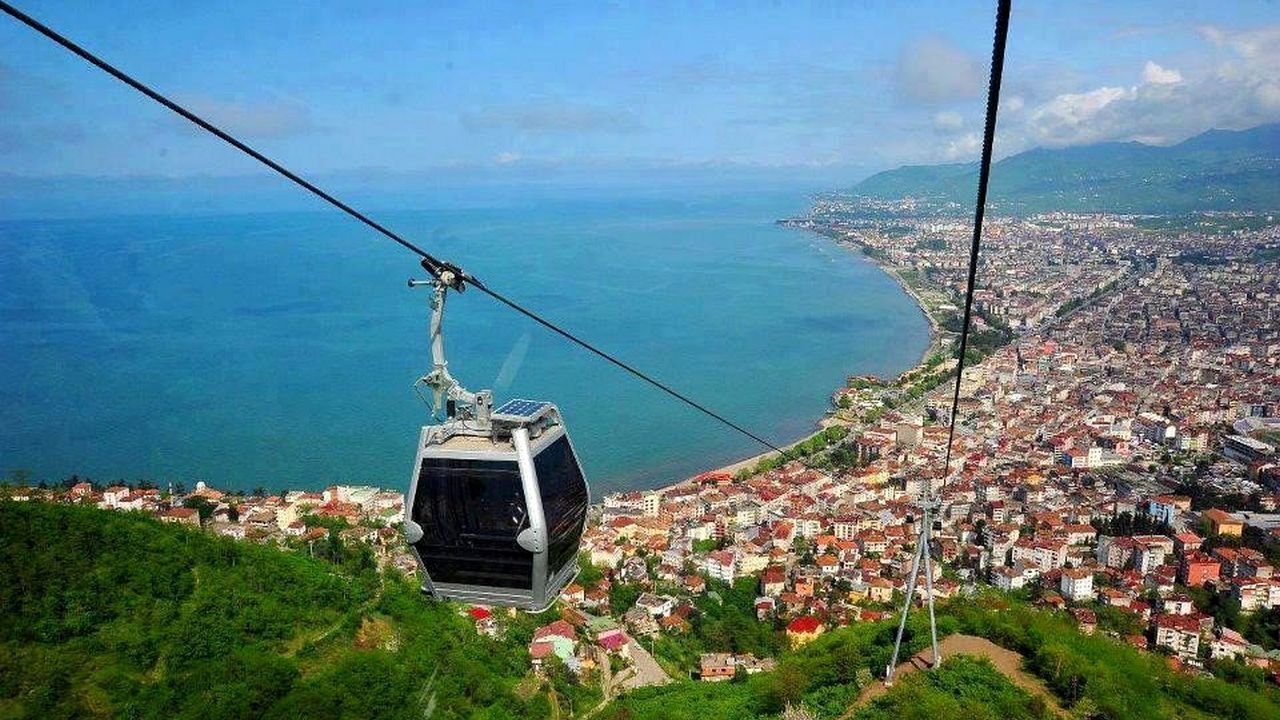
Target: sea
<point x="279" y="349"/>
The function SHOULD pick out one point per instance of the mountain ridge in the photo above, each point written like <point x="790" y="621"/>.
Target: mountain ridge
<point x="1217" y="170"/>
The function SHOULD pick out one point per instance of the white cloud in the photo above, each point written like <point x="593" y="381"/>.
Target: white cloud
<point x="965" y="147"/>
<point x="1067" y="118"/>
<point x="508" y="158"/>
<point x="947" y="121"/>
<point x="935" y="70"/>
<point x="1238" y="88"/>
<point x="1153" y="73"/>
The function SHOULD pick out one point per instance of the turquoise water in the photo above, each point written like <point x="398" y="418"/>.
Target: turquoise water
<point x="279" y="349"/>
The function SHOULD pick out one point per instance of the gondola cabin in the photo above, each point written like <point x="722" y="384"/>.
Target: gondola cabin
<point x="497" y="512"/>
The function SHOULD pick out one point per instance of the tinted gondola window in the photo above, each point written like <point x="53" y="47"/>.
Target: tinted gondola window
<point x="564" y="500"/>
<point x="470" y="512"/>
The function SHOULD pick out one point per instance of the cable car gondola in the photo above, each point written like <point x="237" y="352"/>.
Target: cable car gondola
<point x="497" y="500"/>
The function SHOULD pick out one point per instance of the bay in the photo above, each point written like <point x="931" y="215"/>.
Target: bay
<point x="279" y="349"/>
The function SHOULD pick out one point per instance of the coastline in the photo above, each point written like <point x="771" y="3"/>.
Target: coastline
<point x="935" y="330"/>
<point x="826" y="421"/>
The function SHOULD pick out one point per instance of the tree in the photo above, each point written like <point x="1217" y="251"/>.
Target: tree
<point x="201" y="505"/>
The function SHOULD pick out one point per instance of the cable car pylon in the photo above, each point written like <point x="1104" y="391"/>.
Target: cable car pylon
<point x="928" y="503"/>
<point x="922" y="557"/>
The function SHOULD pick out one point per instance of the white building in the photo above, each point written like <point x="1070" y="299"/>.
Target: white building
<point x="721" y="565"/>
<point x="1076" y="584"/>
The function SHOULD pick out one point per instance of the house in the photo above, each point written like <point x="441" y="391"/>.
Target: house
<point x="640" y="622"/>
<point x="765" y="607"/>
<point x="1150" y="552"/>
<point x="1008" y="579"/>
<point x="1177" y="604"/>
<point x="1187" y="541"/>
<point x="635" y="570"/>
<point x="1179" y="633"/>
<point x="1255" y="594"/>
<point x="694" y="584"/>
<point x="615" y="642"/>
<point x="716" y="667"/>
<point x="114" y="495"/>
<point x="573" y="594"/>
<point x="804" y="586"/>
<point x="573" y="616"/>
<point x="773" y="580"/>
<point x="232" y="530"/>
<point x="489" y="627"/>
<point x="1076" y="584"/>
<point x="556" y="638"/>
<point x="879" y="590"/>
<point x="1228" y="644"/>
<point x="1079" y="534"/>
<point x="595" y="598"/>
<point x="1114" y="552"/>
<point x="674" y="624"/>
<point x="1252" y="564"/>
<point x="871" y="542"/>
<point x="720" y="565"/>
<point x="181" y="516"/>
<point x="1086" y="619"/>
<point x="1227" y="558"/>
<point x="1196" y="568"/>
<point x="80" y="491"/>
<point x="1222" y="523"/>
<point x="803" y="629"/>
<point x="656" y="605"/>
<point x="486" y="623"/>
<point x="1164" y="508"/>
<point x="828" y="564"/>
<point x="606" y="555"/>
<point x="753" y="665"/>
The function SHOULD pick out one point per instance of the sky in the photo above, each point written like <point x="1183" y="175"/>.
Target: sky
<point x="519" y="90"/>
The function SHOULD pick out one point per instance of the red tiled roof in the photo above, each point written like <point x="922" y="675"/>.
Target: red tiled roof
<point x="804" y="625"/>
<point x="613" y="641"/>
<point x="559" y="628"/>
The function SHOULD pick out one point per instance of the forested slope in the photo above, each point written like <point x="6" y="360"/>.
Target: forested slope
<point x="1216" y="170"/>
<point x="114" y="614"/>
<point x="110" y="614"/>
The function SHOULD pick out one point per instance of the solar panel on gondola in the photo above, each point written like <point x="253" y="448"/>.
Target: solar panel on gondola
<point x="497" y="501"/>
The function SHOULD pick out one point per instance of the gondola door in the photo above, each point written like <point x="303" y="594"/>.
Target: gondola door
<point x="471" y="512"/>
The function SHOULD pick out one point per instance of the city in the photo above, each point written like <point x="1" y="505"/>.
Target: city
<point x="1115" y="460"/>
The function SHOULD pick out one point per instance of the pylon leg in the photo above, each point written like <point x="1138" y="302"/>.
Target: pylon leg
<point x="902" y="622"/>
<point x="928" y="583"/>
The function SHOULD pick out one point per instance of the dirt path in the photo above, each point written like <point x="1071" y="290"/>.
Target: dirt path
<point x="1008" y="662"/>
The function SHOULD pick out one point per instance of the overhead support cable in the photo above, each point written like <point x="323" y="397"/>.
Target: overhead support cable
<point x="922" y="558"/>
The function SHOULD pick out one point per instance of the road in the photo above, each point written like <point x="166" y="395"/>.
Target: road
<point x="644" y="669"/>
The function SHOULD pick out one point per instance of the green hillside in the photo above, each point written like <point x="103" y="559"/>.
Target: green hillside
<point x="118" y="615"/>
<point x="1214" y="171"/>
<point x="1092" y="676"/>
